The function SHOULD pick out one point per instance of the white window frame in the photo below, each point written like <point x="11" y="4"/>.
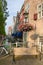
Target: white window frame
<point x="26" y="20"/>
<point x="27" y="7"/>
<point x="42" y="9"/>
<point x="39" y="10"/>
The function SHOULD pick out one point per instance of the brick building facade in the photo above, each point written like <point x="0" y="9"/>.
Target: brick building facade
<point x="32" y="27"/>
<point x="36" y="18"/>
<point x="34" y="8"/>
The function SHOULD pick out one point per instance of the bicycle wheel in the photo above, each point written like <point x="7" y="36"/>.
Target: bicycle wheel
<point x="1" y="50"/>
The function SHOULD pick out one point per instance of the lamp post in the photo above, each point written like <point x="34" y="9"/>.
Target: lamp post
<point x="25" y="33"/>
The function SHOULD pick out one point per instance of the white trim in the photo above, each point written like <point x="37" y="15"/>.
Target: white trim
<point x="39" y="10"/>
<point x="27" y="7"/>
<point x="42" y="9"/>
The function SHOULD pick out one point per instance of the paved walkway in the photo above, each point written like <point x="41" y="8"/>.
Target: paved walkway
<point x="27" y="61"/>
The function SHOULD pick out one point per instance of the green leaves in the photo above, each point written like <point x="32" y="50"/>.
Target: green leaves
<point x="3" y="15"/>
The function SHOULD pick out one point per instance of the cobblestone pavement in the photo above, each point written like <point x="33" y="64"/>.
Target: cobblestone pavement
<point x="26" y="61"/>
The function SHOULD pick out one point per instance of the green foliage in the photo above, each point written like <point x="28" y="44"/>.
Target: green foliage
<point x="3" y="16"/>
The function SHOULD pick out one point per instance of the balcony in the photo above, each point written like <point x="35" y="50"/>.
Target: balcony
<point x="25" y="27"/>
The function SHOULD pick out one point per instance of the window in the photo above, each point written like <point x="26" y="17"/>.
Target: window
<point x="40" y="10"/>
<point x="27" y="7"/>
<point x="26" y="20"/>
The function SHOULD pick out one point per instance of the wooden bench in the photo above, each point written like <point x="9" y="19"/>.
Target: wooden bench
<point x="25" y="51"/>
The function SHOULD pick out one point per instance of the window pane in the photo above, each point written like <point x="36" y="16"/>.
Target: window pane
<point x="39" y="8"/>
<point x="26" y="20"/>
<point x="42" y="6"/>
<point x="39" y="14"/>
<point x="27" y="7"/>
<point x="42" y="12"/>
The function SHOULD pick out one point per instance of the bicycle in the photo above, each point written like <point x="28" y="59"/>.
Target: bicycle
<point x="3" y="51"/>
